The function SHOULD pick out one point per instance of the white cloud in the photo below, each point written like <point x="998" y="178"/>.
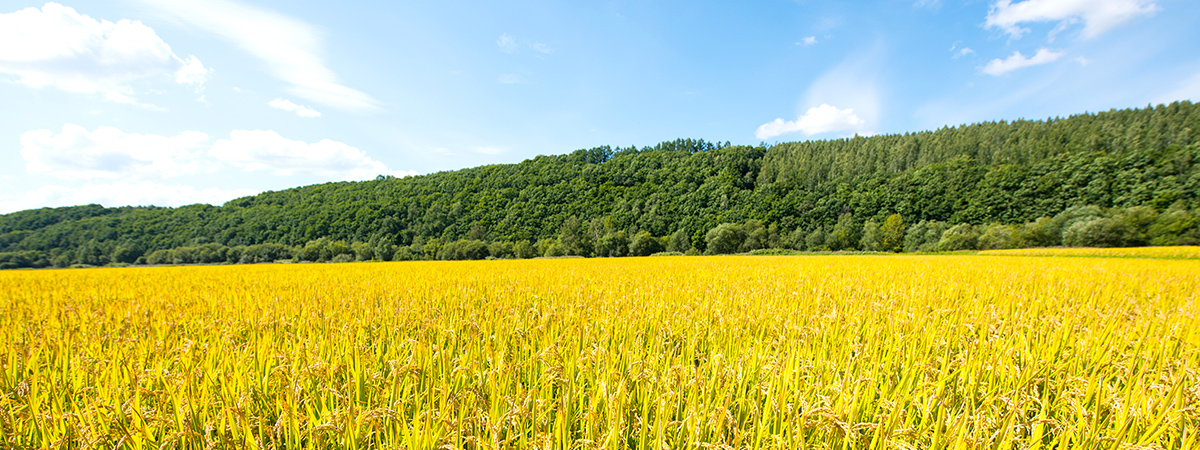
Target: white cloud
<point x="291" y="48"/>
<point x="960" y="52"/>
<point x="287" y="105"/>
<point x="818" y="120"/>
<point x="510" y="78"/>
<point x="999" y="67"/>
<point x="852" y="84"/>
<point x="808" y="41"/>
<point x="267" y="151"/>
<point x="121" y="193"/>
<point x="61" y="48"/>
<point x="1098" y="16"/>
<point x="507" y="44"/>
<point x="109" y="153"/>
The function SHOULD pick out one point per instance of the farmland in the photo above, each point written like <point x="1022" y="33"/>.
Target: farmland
<point x="887" y="351"/>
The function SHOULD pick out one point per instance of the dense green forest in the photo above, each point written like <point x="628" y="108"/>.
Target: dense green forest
<point x="1116" y="178"/>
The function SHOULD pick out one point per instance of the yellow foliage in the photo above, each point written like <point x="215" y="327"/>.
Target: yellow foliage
<point x="837" y="352"/>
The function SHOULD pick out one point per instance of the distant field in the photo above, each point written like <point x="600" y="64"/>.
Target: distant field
<point x="1186" y="252"/>
<point x="838" y="352"/>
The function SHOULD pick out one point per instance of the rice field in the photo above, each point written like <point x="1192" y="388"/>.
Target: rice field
<point x="827" y="352"/>
<point x="1182" y="252"/>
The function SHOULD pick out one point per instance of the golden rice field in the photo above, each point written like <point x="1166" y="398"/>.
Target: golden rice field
<point x="829" y="352"/>
<point x="1136" y="252"/>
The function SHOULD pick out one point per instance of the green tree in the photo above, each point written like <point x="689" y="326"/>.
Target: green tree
<point x="893" y="229"/>
<point x="524" y="250"/>
<point x="963" y="236"/>
<point x="679" y="241"/>
<point x="724" y="239"/>
<point x="845" y="234"/>
<point x="815" y="241"/>
<point x="644" y="244"/>
<point x="872" y="239"/>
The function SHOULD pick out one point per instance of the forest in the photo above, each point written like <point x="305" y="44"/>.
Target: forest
<point x="1117" y="178"/>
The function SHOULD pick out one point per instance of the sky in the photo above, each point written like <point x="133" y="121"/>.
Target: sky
<point x="175" y="102"/>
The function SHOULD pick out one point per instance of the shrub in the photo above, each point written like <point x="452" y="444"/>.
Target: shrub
<point x="963" y="236"/>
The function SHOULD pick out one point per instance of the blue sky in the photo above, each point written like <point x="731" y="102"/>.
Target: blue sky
<point x="172" y="102"/>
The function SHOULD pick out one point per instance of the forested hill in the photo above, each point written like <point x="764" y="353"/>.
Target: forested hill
<point x="600" y="201"/>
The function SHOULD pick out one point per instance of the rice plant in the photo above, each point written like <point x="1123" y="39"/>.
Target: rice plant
<point x="826" y="352"/>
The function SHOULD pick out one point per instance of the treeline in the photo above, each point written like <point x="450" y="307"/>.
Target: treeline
<point x="989" y="179"/>
<point x="1086" y="226"/>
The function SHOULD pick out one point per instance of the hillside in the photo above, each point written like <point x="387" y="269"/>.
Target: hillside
<point x="1137" y="169"/>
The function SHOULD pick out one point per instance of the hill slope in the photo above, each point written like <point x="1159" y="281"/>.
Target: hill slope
<point x="996" y="172"/>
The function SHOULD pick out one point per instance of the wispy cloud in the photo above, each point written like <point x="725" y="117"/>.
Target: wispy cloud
<point x="300" y="110"/>
<point x="960" y="52"/>
<point x="290" y="47"/>
<point x="999" y="67"/>
<point x="808" y="41"/>
<point x="58" y="47"/>
<point x="1097" y="16"/>
<point x="507" y="44"/>
<point x="510" y="44"/>
<point x="510" y="78"/>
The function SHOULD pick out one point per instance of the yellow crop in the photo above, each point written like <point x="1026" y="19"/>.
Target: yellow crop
<point x="837" y="352"/>
<point x="1135" y="252"/>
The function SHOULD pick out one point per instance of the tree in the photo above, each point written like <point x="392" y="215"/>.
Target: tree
<point x="613" y="244"/>
<point x="924" y="236"/>
<point x="644" y="244"/>
<point x="128" y="252"/>
<point x="362" y="251"/>
<point x="755" y="236"/>
<point x="570" y="236"/>
<point x="1043" y="232"/>
<point x="845" y="234"/>
<point x="998" y="236"/>
<point x="872" y="239"/>
<point x="1175" y="226"/>
<point x="963" y="236"/>
<point x="1100" y="232"/>
<point x="524" y="250"/>
<point x="724" y="239"/>
<point x="892" y="233"/>
<point x="679" y="241"/>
